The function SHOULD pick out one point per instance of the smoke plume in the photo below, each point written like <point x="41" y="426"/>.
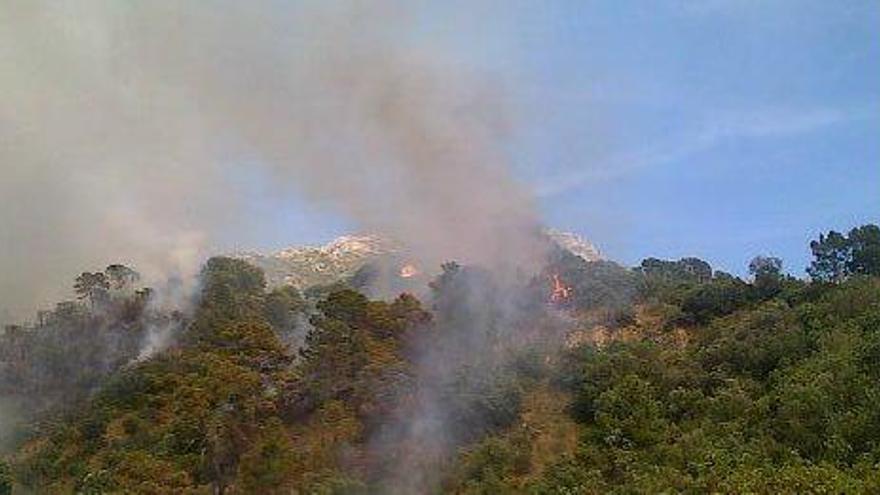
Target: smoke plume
<point x="127" y="128"/>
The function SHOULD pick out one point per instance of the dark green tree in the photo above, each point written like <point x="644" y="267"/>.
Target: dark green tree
<point x="686" y="269"/>
<point x="232" y="290"/>
<point x="864" y="244"/>
<point x="121" y="277"/>
<point x="765" y="266"/>
<point x="723" y="295"/>
<point x="767" y="271"/>
<point x="831" y="253"/>
<point x="335" y="348"/>
<point x="92" y="286"/>
<point x="267" y="462"/>
<point x="282" y="307"/>
<point x="668" y="280"/>
<point x="5" y="479"/>
<point x="837" y="256"/>
<point x="697" y="268"/>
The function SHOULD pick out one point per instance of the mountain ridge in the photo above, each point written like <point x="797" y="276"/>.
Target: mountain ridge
<point x="310" y="265"/>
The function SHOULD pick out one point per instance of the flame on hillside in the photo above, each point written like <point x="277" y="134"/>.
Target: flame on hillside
<point x="561" y="292"/>
<point x="408" y="271"/>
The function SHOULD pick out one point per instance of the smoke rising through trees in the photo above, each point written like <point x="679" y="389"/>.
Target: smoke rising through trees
<point x="128" y="126"/>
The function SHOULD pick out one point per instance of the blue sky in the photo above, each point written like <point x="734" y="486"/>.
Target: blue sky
<point x="719" y="128"/>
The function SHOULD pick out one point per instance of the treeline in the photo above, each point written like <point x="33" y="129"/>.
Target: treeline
<point x="695" y="293"/>
<point x="771" y="386"/>
<point x="232" y="409"/>
<point x="705" y="383"/>
<point x="64" y="357"/>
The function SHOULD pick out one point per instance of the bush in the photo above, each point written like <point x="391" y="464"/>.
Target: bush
<point x="5" y="478"/>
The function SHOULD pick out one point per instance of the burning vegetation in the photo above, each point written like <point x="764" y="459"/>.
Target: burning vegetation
<point x="560" y="292"/>
<point x="259" y="390"/>
<point x="409" y="270"/>
<point x="472" y="392"/>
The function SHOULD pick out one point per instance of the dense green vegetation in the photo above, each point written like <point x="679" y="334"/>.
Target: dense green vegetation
<point x="775" y="397"/>
<point x="67" y="353"/>
<point x="218" y="411"/>
<point x="670" y="377"/>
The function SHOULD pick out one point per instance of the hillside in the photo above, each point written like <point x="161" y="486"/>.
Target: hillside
<point x="666" y="377"/>
<point x="308" y="266"/>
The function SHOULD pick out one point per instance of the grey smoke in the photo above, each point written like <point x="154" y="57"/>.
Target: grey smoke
<point x="163" y="317"/>
<point x="126" y="127"/>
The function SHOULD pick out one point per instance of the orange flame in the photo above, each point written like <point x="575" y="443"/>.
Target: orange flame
<point x="408" y="271"/>
<point x="561" y="292"/>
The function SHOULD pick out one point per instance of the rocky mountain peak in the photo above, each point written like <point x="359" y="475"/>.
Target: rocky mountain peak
<point x="305" y="266"/>
<point x="574" y="244"/>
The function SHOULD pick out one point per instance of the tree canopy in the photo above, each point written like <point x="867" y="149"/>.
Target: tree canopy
<point x="702" y="382"/>
<point x="838" y="256"/>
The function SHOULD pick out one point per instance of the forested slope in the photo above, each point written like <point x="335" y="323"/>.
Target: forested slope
<point x="590" y="378"/>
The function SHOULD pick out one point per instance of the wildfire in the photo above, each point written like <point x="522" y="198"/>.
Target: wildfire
<point x="408" y="271"/>
<point x="561" y="292"/>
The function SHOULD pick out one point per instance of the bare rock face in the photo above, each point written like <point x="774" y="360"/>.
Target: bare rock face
<point x="307" y="266"/>
<point x="574" y="244"/>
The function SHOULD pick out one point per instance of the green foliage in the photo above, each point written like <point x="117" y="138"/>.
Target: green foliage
<point x="765" y="266"/>
<point x="334" y="355"/>
<point x="701" y="295"/>
<point x="481" y="400"/>
<point x="98" y="287"/>
<point x="92" y="286"/>
<point x="661" y="276"/>
<point x="598" y="284"/>
<point x="5" y="478"/>
<point x="232" y="290"/>
<point x="768" y="276"/>
<point x="838" y="257"/>
<point x="773" y="398"/>
<point x="798" y="478"/>
<point x="865" y="245"/>
<point x="121" y="277"/>
<point x="283" y="306"/>
<point x="492" y="465"/>
<point x="266" y="465"/>
<point x="184" y="419"/>
<point x="629" y="414"/>
<point x="721" y="296"/>
<point x="348" y="306"/>
<point x="755" y="343"/>
<point x="569" y="477"/>
<point x="69" y="352"/>
<point x="763" y="387"/>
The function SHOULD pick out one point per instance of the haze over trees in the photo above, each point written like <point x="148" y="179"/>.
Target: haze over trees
<point x="668" y="377"/>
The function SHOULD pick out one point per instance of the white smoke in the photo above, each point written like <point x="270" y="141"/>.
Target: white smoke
<point x="125" y="128"/>
<point x="125" y="125"/>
